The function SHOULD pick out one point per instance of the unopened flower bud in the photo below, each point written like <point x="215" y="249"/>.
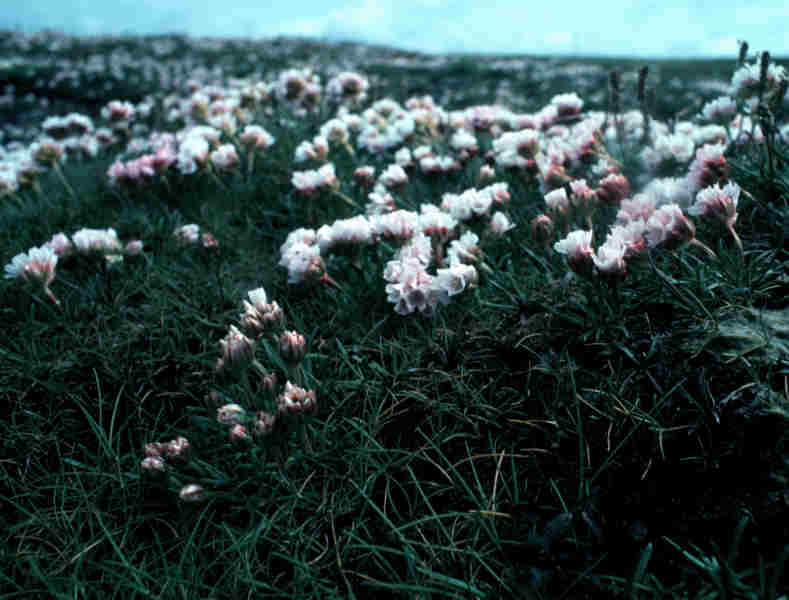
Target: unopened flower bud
<point x="264" y="423"/>
<point x="613" y="189"/>
<point x="292" y="346"/>
<point x="191" y="493"/>
<point x="542" y="229"/>
<point x="237" y="349"/>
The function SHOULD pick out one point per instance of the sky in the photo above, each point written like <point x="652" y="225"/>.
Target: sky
<point x="638" y="28"/>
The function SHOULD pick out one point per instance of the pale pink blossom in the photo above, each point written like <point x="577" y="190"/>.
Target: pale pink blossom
<point x="296" y="400"/>
<point x="393" y="176"/>
<point x="500" y="223"/>
<point x="609" y="259"/>
<point x="720" y="110"/>
<point x="577" y="246"/>
<point x="188" y="234"/>
<point x="640" y="207"/>
<point x="557" y="203"/>
<point x="225" y="157"/>
<point x="719" y="203"/>
<point x="60" y="244"/>
<point x="567" y="104"/>
<point x="709" y="167"/>
<point x="254" y="136"/>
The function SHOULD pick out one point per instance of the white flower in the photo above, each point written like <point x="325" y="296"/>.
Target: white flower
<point x="500" y="223"/>
<point x="35" y="264"/>
<point x="394" y="175"/>
<point x="669" y="224"/>
<point x="418" y="247"/>
<point x="557" y="202"/>
<point x="100" y="240"/>
<point x="719" y="110"/>
<point x="303" y="263"/>
<point x="256" y="137"/>
<point x="463" y="140"/>
<point x="567" y="104"/>
<point x="224" y="157"/>
<point x="640" y="207"/>
<point x="717" y="202"/>
<point x="456" y="278"/>
<point x="60" y="244"/>
<point x="610" y="257"/>
<point x="577" y="246"/>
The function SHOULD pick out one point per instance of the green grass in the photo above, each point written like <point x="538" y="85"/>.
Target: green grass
<point x="540" y="437"/>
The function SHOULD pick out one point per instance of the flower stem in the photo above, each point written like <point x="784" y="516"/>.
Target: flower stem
<point x="704" y="247"/>
<point x="64" y="181"/>
<point x="736" y="237"/>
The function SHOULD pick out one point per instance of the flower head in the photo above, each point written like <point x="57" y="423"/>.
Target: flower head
<point x="38" y="265"/>
<point x="292" y="346"/>
<point x="237" y="349"/>
<point x="577" y="246"/>
<point x="709" y="166"/>
<point x="670" y="227"/>
<point x="717" y="202"/>
<point x="295" y="400"/>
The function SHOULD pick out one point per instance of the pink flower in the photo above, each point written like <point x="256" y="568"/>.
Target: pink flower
<point x="557" y="203"/>
<point x="500" y="223"/>
<point x="709" y="167"/>
<point x="38" y="265"/>
<point x="393" y="176"/>
<point x="264" y="423"/>
<point x="178" y="448"/>
<point x="567" y="105"/>
<point x="720" y="203"/>
<point x="613" y="189"/>
<point x="239" y="432"/>
<point x="577" y="246"/>
<point x="224" y="157"/>
<point x="717" y="202"/>
<point x="610" y="257"/>
<point x="631" y="235"/>
<point x="60" y="244"/>
<point x="153" y="464"/>
<point x="583" y="198"/>
<point x="640" y="207"/>
<point x="254" y="136"/>
<point x="295" y="400"/>
<point x="669" y="227"/>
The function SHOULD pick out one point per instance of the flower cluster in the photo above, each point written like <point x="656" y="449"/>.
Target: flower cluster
<point x="308" y="182"/>
<point x="158" y="455"/>
<point x="190" y="235"/>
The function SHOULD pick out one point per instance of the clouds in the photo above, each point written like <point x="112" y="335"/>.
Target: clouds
<point x="637" y="28"/>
